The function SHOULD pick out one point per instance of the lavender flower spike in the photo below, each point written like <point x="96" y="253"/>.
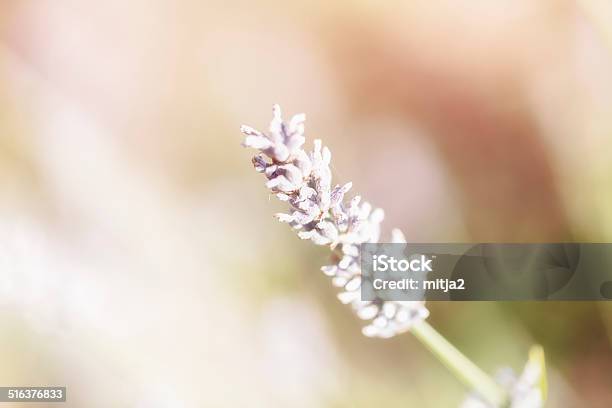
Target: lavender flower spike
<point x="320" y="213"/>
<point x="525" y="391"/>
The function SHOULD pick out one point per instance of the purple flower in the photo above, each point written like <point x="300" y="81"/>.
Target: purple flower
<point x="320" y="213"/>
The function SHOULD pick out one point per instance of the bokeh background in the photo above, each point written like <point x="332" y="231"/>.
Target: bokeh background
<point x="140" y="264"/>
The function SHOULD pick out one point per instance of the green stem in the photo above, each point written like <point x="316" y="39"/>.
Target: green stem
<point x="460" y="365"/>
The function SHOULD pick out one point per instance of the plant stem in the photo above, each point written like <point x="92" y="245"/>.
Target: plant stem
<point x="460" y="365"/>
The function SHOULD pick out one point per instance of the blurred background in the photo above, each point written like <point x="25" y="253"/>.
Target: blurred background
<point x="140" y="265"/>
